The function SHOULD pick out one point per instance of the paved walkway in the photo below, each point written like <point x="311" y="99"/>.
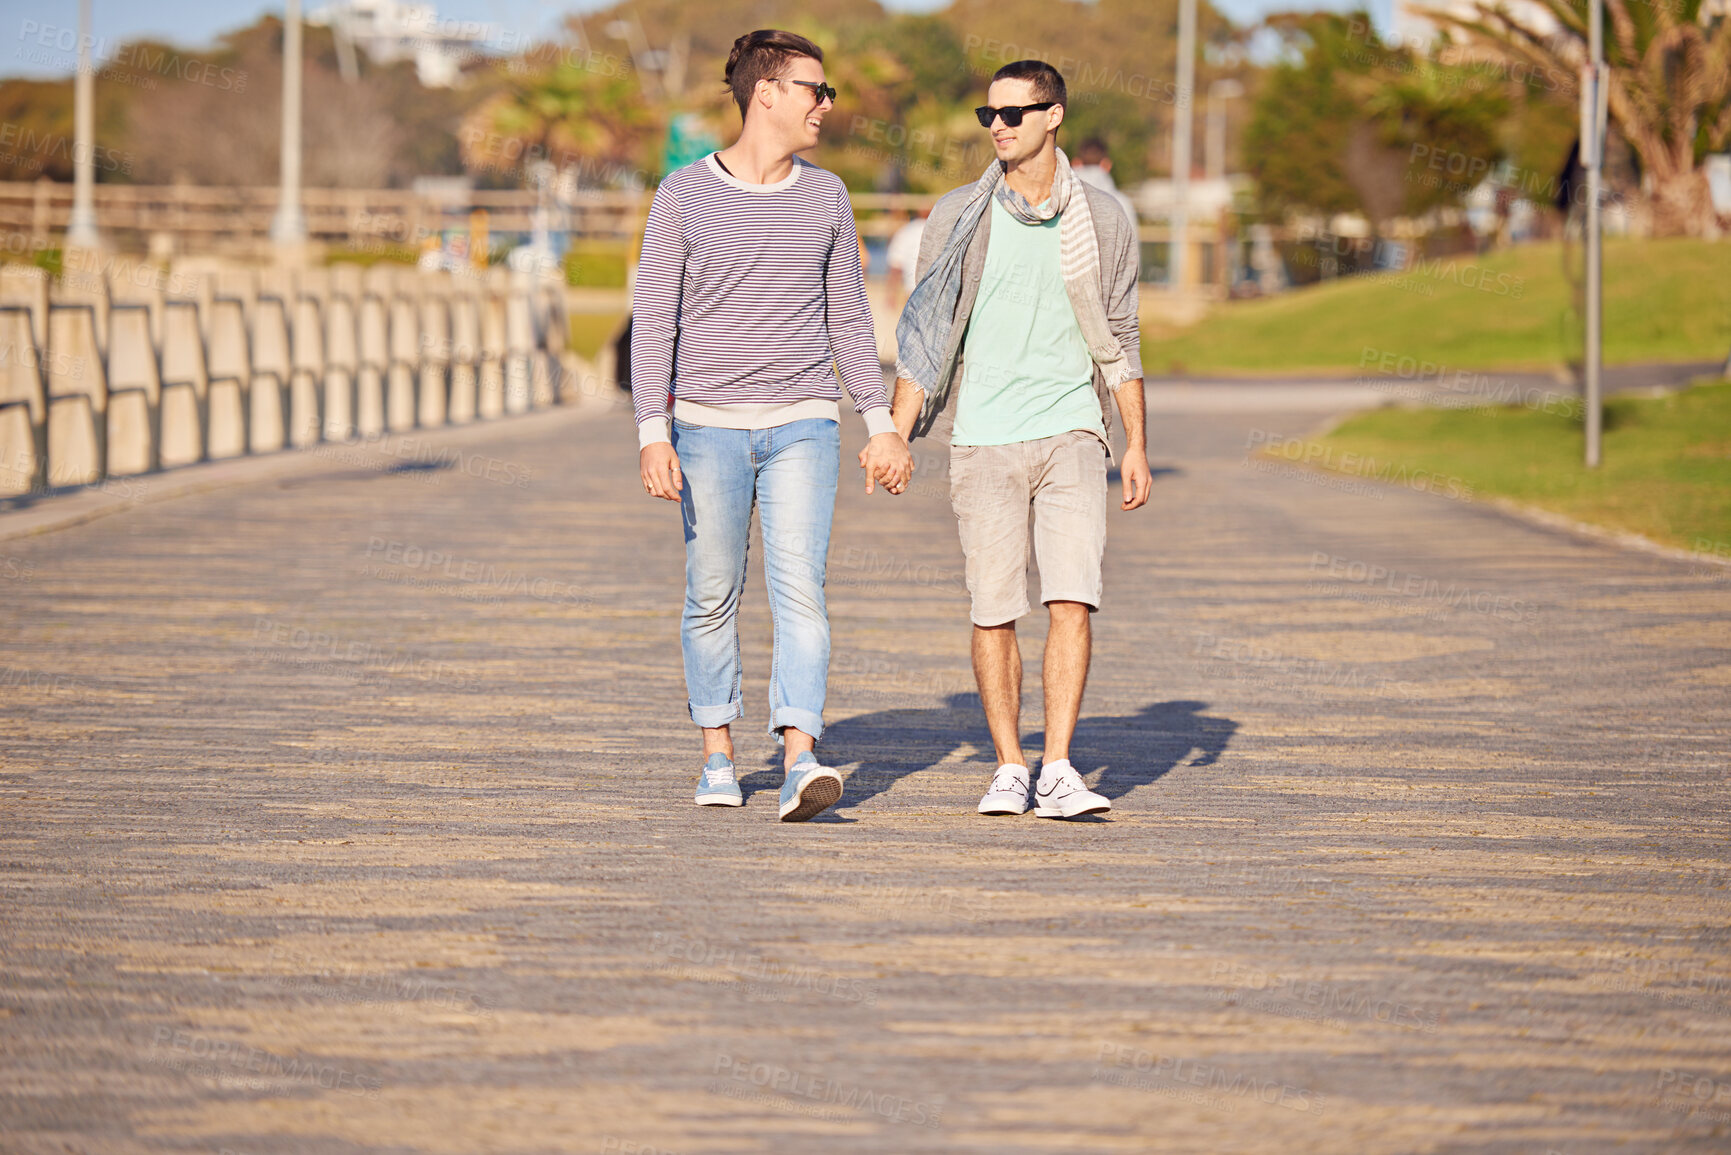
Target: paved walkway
<point x="348" y="810"/>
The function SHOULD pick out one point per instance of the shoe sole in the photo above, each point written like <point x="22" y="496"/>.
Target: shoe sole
<point x="817" y="794"/>
<point x="1054" y="812"/>
<point x="1002" y="809"/>
<point x="719" y="800"/>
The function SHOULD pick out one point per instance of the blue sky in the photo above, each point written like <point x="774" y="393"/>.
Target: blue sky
<point x="192" y="23"/>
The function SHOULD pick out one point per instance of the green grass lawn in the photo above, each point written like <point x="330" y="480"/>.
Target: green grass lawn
<point x="1664" y="301"/>
<point x="590" y="331"/>
<point x="1665" y="470"/>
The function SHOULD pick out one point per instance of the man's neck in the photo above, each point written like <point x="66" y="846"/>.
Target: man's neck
<point x="1033" y="177"/>
<point x="756" y="159"/>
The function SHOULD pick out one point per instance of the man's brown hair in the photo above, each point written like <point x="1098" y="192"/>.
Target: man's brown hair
<point x="761" y="55"/>
<point x="1047" y="82"/>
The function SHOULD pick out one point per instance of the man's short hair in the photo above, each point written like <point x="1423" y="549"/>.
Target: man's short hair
<point x="1048" y="84"/>
<point x="761" y="55"/>
<point x="1091" y="151"/>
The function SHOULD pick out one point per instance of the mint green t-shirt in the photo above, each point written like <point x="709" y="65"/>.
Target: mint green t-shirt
<point x="1026" y="372"/>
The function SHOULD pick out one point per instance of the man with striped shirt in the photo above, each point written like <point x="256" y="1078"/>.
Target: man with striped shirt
<point x="749" y="298"/>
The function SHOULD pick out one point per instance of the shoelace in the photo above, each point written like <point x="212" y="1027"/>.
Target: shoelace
<point x="717" y="775"/>
<point x="1067" y="781"/>
<point x="1008" y="783"/>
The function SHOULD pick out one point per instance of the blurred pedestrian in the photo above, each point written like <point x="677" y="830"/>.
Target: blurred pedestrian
<point x="1094" y="167"/>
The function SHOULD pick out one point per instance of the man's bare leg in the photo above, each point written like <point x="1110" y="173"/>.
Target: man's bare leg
<point x="717" y="740"/>
<point x="1064" y="675"/>
<point x="998" y="673"/>
<point x="795" y="742"/>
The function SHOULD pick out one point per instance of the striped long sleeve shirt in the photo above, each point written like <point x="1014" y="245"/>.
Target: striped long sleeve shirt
<point x="748" y="300"/>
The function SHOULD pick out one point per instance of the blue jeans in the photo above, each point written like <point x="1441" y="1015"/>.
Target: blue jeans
<point x="790" y="472"/>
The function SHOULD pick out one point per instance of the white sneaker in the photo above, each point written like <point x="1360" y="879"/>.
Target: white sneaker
<point x="1008" y="793"/>
<point x="1063" y="794"/>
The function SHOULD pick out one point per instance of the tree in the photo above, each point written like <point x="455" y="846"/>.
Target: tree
<point x="1338" y="125"/>
<point x="564" y="108"/>
<point x="1669" y="89"/>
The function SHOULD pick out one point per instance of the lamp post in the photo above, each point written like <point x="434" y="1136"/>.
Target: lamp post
<point x="1593" y="160"/>
<point x="1218" y="94"/>
<point x="1181" y="150"/>
<point x="289" y="227"/>
<point x="81" y="227"/>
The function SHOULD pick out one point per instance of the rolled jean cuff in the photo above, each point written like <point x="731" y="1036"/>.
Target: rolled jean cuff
<point x="799" y="719"/>
<point x="710" y="717"/>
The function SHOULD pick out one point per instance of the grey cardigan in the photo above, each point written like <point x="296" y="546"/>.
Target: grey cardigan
<point x="1120" y="266"/>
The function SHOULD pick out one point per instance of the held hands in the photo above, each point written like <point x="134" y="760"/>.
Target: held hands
<point x="888" y="462"/>
<point x="659" y="466"/>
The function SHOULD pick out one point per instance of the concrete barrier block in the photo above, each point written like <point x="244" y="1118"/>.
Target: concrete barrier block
<point x="342" y="335"/>
<point x="269" y="401"/>
<point x="227" y="418"/>
<point x="17" y="451"/>
<point x="400" y="403"/>
<point x="369" y="402"/>
<point x="464" y="393"/>
<point x="270" y="337"/>
<point x="308" y="333"/>
<point x="339" y="387"/>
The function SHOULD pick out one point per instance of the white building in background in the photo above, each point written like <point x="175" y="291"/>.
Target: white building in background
<point x="390" y="31"/>
<point x="1413" y="25"/>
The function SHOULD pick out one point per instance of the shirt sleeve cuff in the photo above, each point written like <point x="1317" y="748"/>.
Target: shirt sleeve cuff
<point x="653" y="430"/>
<point x="878" y="421"/>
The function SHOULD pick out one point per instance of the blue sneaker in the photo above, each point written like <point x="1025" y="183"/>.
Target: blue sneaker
<point x="810" y="789"/>
<point x="718" y="787"/>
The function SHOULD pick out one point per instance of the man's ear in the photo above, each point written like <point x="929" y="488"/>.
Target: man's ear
<point x="764" y="94"/>
<point x="1057" y="118"/>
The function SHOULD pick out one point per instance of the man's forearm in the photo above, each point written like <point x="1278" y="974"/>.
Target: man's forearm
<point x="905" y="406"/>
<point x="1133" y="410"/>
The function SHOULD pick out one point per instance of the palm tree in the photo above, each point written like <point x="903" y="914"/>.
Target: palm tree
<point x="562" y="106"/>
<point x="1669" y="86"/>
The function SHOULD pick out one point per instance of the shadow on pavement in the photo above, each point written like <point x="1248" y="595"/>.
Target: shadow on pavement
<point x="1127" y="750"/>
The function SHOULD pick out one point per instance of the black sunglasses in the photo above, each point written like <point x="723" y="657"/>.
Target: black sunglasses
<point x="824" y="92"/>
<point x="1012" y="114"/>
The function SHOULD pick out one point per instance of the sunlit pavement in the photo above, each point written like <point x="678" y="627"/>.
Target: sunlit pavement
<point x="348" y="809"/>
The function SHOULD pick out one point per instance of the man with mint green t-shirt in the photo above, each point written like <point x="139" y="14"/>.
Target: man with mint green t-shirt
<point x="1023" y="322"/>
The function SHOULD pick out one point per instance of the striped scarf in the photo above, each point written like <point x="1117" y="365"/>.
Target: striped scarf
<point x="923" y="332"/>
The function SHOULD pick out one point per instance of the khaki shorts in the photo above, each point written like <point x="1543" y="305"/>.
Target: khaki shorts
<point x="1062" y="480"/>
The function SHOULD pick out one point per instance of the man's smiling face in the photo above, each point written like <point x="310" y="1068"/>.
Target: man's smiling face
<point x="798" y="111"/>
